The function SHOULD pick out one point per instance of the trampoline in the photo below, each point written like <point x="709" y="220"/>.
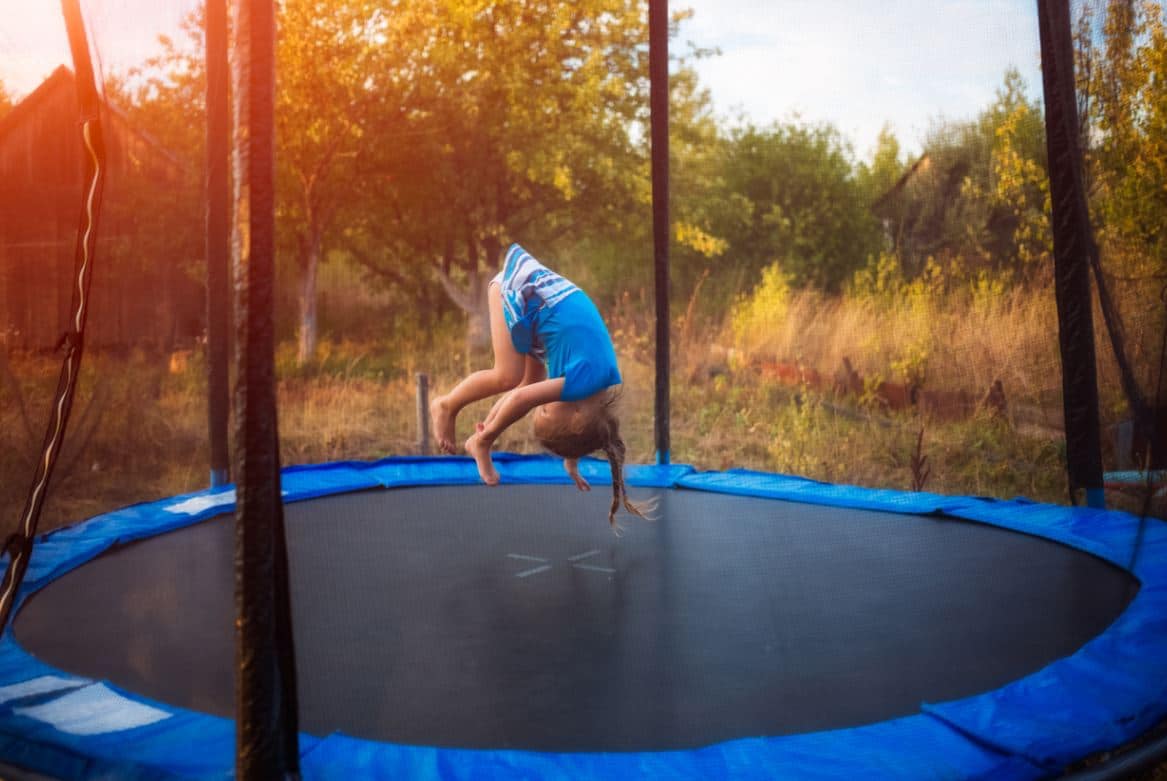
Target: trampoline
<point x="762" y="625"/>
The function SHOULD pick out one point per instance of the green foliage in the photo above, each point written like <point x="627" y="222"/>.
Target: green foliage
<point x="419" y="135"/>
<point x="757" y="315"/>
<point x="696" y="188"/>
<point x="1121" y="67"/>
<point x="1016" y="195"/>
<point x="153" y="210"/>
<point x="915" y="302"/>
<point x="516" y="125"/>
<point x="977" y="199"/>
<point x="912" y="365"/>
<point x="887" y="166"/>
<point x="796" y="435"/>
<point x="882" y="277"/>
<point x="442" y="130"/>
<point x="788" y="194"/>
<point x="165" y="97"/>
<point x="1121" y="74"/>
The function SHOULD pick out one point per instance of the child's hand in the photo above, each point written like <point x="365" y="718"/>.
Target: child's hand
<point x="479" y="426"/>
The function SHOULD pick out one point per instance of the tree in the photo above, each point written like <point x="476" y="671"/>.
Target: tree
<point x="882" y="182"/>
<point x="1016" y="233"/>
<point x="418" y="137"/>
<point x="337" y="104"/>
<point x="976" y="199"/>
<point x="790" y="195"/>
<point x="330" y="101"/>
<point x="522" y="126"/>
<point x="1125" y="113"/>
<point x="887" y="167"/>
<point x="156" y="203"/>
<point x="1123" y="97"/>
<point x="695" y="186"/>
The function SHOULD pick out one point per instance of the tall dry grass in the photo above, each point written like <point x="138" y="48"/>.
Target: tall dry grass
<point x="945" y="341"/>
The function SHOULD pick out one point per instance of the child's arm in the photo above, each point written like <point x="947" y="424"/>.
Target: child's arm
<point x="572" y="467"/>
<point x="493" y="411"/>
<point x="514" y="405"/>
<point x="534" y="371"/>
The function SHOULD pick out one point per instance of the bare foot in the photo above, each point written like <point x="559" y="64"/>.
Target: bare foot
<point x="442" y="424"/>
<point x="480" y="449"/>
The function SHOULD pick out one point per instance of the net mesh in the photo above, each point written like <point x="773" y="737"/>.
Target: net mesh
<point x="862" y="286"/>
<point x="862" y="259"/>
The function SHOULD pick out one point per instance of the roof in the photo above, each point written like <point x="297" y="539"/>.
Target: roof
<point x="922" y="163"/>
<point x="61" y="79"/>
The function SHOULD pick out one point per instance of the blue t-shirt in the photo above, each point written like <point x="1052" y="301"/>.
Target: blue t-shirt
<point x="578" y="345"/>
<point x="552" y="319"/>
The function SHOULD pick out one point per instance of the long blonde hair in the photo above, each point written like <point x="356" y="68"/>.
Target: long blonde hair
<point x="601" y="431"/>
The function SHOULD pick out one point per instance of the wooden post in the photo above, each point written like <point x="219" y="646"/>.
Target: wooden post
<point x="423" y="414"/>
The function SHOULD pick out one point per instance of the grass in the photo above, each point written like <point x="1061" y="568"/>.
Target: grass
<point x="139" y="425"/>
<point x="138" y="433"/>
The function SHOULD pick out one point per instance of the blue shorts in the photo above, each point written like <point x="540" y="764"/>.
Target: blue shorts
<point x="527" y="286"/>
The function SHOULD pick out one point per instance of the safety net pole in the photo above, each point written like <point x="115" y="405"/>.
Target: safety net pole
<point x="19" y="544"/>
<point x="1072" y="246"/>
<point x="218" y="243"/>
<point x="265" y="678"/>
<point x="658" y="72"/>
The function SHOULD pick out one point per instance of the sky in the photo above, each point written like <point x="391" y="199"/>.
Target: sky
<point x="858" y="64"/>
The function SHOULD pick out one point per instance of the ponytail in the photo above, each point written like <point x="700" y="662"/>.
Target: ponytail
<point x="615" y="450"/>
<point x="602" y="432"/>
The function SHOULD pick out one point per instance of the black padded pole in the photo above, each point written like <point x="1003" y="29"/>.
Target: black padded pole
<point x="658" y="73"/>
<point x="265" y="677"/>
<point x="1073" y="242"/>
<point x="218" y="244"/>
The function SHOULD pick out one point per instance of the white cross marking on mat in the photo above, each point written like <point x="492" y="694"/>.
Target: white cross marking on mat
<point x="545" y="566"/>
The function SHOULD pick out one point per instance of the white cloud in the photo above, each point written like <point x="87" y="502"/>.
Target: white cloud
<point x="860" y="65"/>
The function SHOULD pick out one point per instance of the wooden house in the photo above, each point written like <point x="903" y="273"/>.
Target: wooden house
<point x="145" y="289"/>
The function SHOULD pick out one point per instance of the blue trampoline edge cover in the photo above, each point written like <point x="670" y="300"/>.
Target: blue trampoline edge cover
<point x="1113" y="689"/>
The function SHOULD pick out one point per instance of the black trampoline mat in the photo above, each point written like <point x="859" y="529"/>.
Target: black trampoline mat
<point x="513" y="618"/>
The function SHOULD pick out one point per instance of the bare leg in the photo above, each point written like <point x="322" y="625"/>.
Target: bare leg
<point x="506" y="373"/>
<point x="533" y="371"/>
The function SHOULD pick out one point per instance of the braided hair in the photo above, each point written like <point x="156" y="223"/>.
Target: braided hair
<point x="601" y="431"/>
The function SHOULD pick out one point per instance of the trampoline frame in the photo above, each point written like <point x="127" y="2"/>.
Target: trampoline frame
<point x="1110" y="691"/>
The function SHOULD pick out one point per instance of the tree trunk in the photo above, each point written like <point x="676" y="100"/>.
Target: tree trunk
<point x="472" y="301"/>
<point x="310" y="263"/>
<point x="478" y="322"/>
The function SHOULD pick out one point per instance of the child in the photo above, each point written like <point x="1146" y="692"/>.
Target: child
<point x="552" y="354"/>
